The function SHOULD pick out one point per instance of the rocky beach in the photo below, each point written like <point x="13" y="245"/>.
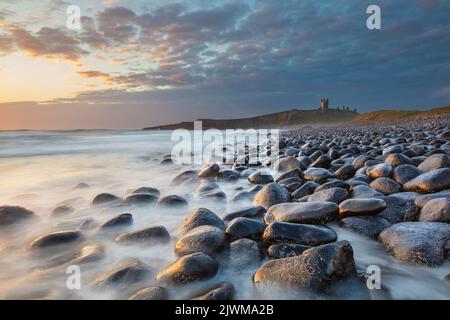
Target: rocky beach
<point x="305" y="223"/>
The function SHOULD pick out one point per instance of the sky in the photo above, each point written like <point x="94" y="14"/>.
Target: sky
<point x="138" y="63"/>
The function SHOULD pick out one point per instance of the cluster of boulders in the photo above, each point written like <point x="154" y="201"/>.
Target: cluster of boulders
<point x="390" y="184"/>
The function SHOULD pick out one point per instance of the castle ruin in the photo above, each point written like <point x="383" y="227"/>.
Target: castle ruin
<point x="324" y="104"/>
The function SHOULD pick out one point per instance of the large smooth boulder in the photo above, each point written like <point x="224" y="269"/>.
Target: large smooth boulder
<point x="315" y="269"/>
<point x="207" y="239"/>
<point x="385" y="186"/>
<point x="244" y="228"/>
<point x="336" y="195"/>
<point x="200" y="217"/>
<point x="303" y="212"/>
<point x="429" y="182"/>
<point x="362" y="206"/>
<point x="271" y="194"/>
<point x="417" y="242"/>
<point x="193" y="267"/>
<point x="310" y="235"/>
<point x="435" y="161"/>
<point x="306" y="189"/>
<point x="406" y="172"/>
<point x="57" y="238"/>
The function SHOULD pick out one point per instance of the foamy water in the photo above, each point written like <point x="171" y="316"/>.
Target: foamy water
<point x="39" y="170"/>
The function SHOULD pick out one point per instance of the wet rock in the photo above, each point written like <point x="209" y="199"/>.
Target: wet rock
<point x="336" y="195"/>
<point x="385" y="186"/>
<point x="141" y="199"/>
<point x="431" y="181"/>
<point x="151" y="293"/>
<point x="366" y="225"/>
<point x="14" y="214"/>
<point x="287" y="164"/>
<point x="294" y="173"/>
<point x="192" y="267"/>
<point x="317" y="174"/>
<point x="172" y="201"/>
<point x="147" y="190"/>
<point x="319" y="212"/>
<point x="243" y="253"/>
<point x="280" y="232"/>
<point x="214" y="195"/>
<point x="89" y="253"/>
<point x="362" y="206"/>
<point x="417" y="242"/>
<point x="271" y="194"/>
<point x="104" y="198"/>
<point x="124" y="275"/>
<point x="57" y="238"/>
<point x="221" y="291"/>
<point x="436" y="210"/>
<point x="360" y="160"/>
<point x="285" y="250"/>
<point x="206" y="187"/>
<point x="398" y="209"/>
<point x="380" y="170"/>
<point x="210" y="171"/>
<point x="184" y="177"/>
<point x="392" y="149"/>
<point x="200" y="217"/>
<point x="315" y="269"/>
<point x="247" y="212"/>
<point x="124" y="219"/>
<point x="324" y="161"/>
<point x="62" y="210"/>
<point x="228" y="175"/>
<point x="364" y="191"/>
<point x="398" y="159"/>
<point x="207" y="239"/>
<point x="306" y="189"/>
<point x="421" y="200"/>
<point x="260" y="177"/>
<point x="242" y="196"/>
<point x="346" y="172"/>
<point x="333" y="184"/>
<point x="406" y="172"/>
<point x="148" y="236"/>
<point x="435" y="161"/>
<point x="244" y="228"/>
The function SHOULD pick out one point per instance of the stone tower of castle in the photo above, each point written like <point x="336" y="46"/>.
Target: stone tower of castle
<point x="324" y="104"/>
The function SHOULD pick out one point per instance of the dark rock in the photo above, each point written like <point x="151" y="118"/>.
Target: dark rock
<point x="260" y="177"/>
<point x="365" y="225"/>
<point x="200" y="217"/>
<point x="243" y="253"/>
<point x="417" y="242"/>
<point x="214" y="195"/>
<point x="221" y="291"/>
<point x="172" y="201"/>
<point x="151" y="293"/>
<point x="306" y="189"/>
<point x="398" y="209"/>
<point x="271" y="194"/>
<point x="436" y="210"/>
<point x="421" y="200"/>
<point x="148" y="190"/>
<point x="431" y="181"/>
<point x="315" y="269"/>
<point x="148" y="236"/>
<point x="193" y="267"/>
<point x="317" y="174"/>
<point x="385" y="186"/>
<point x="324" y="161"/>
<point x="244" y="228"/>
<point x="210" y="171"/>
<point x="362" y="206"/>
<point x="124" y="219"/>
<point x="406" y="172"/>
<point x="247" y="212"/>
<point x="280" y="232"/>
<point x="104" y="198"/>
<point x="57" y="238"/>
<point x="89" y="253"/>
<point x="285" y="250"/>
<point x="380" y="170"/>
<point x="287" y="164"/>
<point x="294" y="173"/>
<point x="346" y="172"/>
<point x="333" y="184"/>
<point x="398" y="159"/>
<point x="364" y="191"/>
<point x="13" y="214"/>
<point x="124" y="275"/>
<point x="184" y="177"/>
<point x="141" y="199"/>
<point x="336" y="195"/>
<point x="207" y="239"/>
<point x="305" y="213"/>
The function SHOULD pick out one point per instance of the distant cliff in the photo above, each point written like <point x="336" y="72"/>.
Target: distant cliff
<point x="283" y="119"/>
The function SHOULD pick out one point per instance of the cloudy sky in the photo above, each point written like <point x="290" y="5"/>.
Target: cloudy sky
<point x="136" y="63"/>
